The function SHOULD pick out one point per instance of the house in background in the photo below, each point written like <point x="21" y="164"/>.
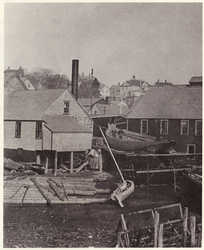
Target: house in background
<point x="129" y="91"/>
<point x="14" y="79"/>
<point x="164" y="83"/>
<point x="173" y="112"/>
<point x="41" y="123"/>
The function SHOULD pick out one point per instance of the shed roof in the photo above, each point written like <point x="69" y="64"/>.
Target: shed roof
<point x="196" y="79"/>
<point x="64" y="124"/>
<point x="29" y="105"/>
<point x="170" y="102"/>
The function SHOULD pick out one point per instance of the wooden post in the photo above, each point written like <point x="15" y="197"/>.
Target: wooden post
<point x="185" y="226"/>
<point x="71" y="162"/>
<point x="100" y="161"/>
<point x="46" y="164"/>
<point x="55" y="170"/>
<point x="156" y="228"/>
<point x="38" y="158"/>
<point x="160" y="238"/>
<point x="174" y="181"/>
<point x="193" y="230"/>
<point x="124" y="227"/>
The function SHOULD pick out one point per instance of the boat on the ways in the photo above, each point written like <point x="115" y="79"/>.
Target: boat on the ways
<point x="124" y="140"/>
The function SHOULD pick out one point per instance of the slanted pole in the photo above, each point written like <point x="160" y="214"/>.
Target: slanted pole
<point x="119" y="171"/>
<point x="124" y="227"/>
<point x="55" y="170"/>
<point x="71" y="162"/>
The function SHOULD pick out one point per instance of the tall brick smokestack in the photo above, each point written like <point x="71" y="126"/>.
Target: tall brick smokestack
<point x="75" y="76"/>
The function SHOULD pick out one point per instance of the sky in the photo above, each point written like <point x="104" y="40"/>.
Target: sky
<point x="149" y="40"/>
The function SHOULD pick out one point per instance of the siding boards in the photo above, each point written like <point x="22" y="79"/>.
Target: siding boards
<point x="173" y="132"/>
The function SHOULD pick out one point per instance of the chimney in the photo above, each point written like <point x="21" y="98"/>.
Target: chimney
<point x="75" y="75"/>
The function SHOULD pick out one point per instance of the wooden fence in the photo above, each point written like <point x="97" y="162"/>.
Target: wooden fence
<point x="166" y="226"/>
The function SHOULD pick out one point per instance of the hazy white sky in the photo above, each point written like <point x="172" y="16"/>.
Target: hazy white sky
<point x="151" y="41"/>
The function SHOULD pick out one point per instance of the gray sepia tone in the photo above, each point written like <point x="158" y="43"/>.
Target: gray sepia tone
<point x="102" y="125"/>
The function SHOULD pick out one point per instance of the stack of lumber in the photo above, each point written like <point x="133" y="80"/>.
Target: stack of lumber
<point x="42" y="189"/>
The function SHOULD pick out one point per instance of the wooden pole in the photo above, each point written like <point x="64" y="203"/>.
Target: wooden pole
<point x="160" y="238"/>
<point x="100" y="161"/>
<point x="124" y="227"/>
<point x="55" y="170"/>
<point x="71" y="162"/>
<point x="174" y="181"/>
<point x="46" y="165"/>
<point x="38" y="158"/>
<point x="193" y="230"/>
<point x="121" y="175"/>
<point x="185" y="226"/>
<point x="156" y="228"/>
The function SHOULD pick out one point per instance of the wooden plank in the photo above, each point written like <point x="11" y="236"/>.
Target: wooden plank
<point x="41" y="191"/>
<point x="157" y="170"/>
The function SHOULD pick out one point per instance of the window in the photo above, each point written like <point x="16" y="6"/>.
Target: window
<point x="66" y="107"/>
<point x="191" y="148"/>
<point x="184" y="127"/>
<point x="38" y="130"/>
<point x="198" y="127"/>
<point x="164" y="127"/>
<point x="144" y="127"/>
<point x="18" y="129"/>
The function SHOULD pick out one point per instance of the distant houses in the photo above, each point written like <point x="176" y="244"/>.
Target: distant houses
<point x="173" y="112"/>
<point x="128" y="91"/>
<point x="14" y="79"/>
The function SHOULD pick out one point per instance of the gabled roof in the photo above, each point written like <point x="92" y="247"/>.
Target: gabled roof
<point x="64" y="124"/>
<point x="170" y="102"/>
<point x="29" y="105"/>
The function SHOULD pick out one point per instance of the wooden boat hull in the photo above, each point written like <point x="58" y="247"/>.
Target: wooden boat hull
<point x="136" y="144"/>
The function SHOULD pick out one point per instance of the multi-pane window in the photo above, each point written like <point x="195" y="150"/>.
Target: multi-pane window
<point x="164" y="127"/>
<point x="38" y="130"/>
<point x="18" y="129"/>
<point x="191" y="148"/>
<point x="144" y="127"/>
<point x="66" y="107"/>
<point x="184" y="127"/>
<point x="198" y="127"/>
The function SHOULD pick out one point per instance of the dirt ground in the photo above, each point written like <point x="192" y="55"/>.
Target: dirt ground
<point x="92" y="225"/>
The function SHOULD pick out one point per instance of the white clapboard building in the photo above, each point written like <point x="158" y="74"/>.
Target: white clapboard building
<point x="45" y="125"/>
